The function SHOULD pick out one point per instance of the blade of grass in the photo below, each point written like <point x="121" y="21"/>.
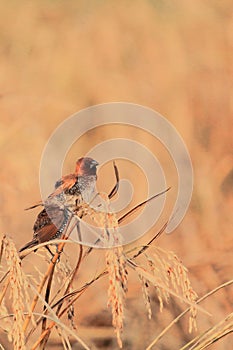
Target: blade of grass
<point x="165" y="330"/>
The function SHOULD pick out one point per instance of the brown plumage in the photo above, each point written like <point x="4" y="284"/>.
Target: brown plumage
<point x="70" y="191"/>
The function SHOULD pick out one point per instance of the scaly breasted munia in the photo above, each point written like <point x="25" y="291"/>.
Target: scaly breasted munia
<point x="70" y="192"/>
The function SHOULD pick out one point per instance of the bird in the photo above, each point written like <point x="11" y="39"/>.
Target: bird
<point x="70" y="192"/>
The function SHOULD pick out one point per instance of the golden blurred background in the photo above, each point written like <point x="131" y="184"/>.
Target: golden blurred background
<point x="57" y="57"/>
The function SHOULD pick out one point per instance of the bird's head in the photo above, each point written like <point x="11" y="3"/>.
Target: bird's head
<point x="86" y="166"/>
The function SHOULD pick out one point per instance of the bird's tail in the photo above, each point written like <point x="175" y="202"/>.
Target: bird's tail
<point x="38" y="204"/>
<point x="30" y="244"/>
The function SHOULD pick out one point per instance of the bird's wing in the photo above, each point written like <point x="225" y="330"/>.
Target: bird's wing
<point x="45" y="228"/>
<point x="53" y="214"/>
<point x="46" y="233"/>
<point x="42" y="220"/>
<point x="65" y="183"/>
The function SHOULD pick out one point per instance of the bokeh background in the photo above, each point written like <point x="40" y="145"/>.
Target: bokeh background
<point x="57" y="57"/>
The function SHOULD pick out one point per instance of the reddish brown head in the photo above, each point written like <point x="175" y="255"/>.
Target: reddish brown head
<point x="86" y="166"/>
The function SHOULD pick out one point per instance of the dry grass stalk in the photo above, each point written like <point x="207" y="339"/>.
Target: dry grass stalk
<point x="175" y="320"/>
<point x="63" y="271"/>
<point x="64" y="339"/>
<point x="7" y="325"/>
<point x="158" y="271"/>
<point x="56" y="321"/>
<point x="107" y="221"/>
<point x="116" y="267"/>
<point x="146" y="296"/>
<point x="151" y="278"/>
<point x="70" y="309"/>
<point x="170" y="271"/>
<point x="167" y="270"/>
<point x="61" y="325"/>
<point x="65" y="277"/>
<point x="168" y="275"/>
<point x="46" y="275"/>
<point x="215" y="333"/>
<point x="18" y="292"/>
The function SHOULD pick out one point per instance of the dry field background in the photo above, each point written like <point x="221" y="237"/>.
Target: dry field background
<point x="57" y="57"/>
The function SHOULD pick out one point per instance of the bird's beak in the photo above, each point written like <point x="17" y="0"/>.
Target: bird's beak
<point x="94" y="163"/>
